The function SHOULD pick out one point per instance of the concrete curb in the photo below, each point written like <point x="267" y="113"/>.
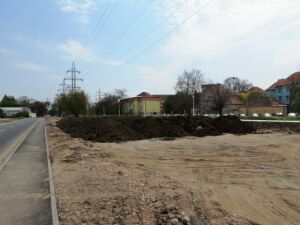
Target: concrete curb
<point x="16" y="145"/>
<point x="55" y="220"/>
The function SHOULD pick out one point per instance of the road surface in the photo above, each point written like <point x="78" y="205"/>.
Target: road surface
<point x="11" y="132"/>
<point x="24" y="178"/>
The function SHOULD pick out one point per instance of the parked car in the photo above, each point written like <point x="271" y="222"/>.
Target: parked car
<point x="267" y="115"/>
<point x="255" y="115"/>
<point x="292" y="114"/>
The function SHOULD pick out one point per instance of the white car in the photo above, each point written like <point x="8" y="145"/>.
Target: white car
<point x="255" y="115"/>
<point x="267" y="115"/>
<point x="292" y="114"/>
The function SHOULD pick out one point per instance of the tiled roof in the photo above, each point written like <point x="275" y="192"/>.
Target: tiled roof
<point x="234" y="100"/>
<point x="283" y="82"/>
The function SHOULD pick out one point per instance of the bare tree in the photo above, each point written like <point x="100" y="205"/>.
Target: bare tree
<point x="235" y="84"/>
<point x="190" y="82"/>
<point x="121" y="93"/>
<point x="219" y="95"/>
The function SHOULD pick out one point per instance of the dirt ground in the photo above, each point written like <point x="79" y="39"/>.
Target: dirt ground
<point x="227" y="179"/>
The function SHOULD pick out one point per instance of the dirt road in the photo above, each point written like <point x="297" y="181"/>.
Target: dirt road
<point x="226" y="179"/>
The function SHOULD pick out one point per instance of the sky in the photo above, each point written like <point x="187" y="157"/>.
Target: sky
<point x="144" y="45"/>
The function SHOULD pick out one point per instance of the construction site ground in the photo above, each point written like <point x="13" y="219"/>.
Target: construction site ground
<point x="218" y="180"/>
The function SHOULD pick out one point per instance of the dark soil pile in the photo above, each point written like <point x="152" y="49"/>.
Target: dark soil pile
<point x="118" y="129"/>
<point x="233" y="125"/>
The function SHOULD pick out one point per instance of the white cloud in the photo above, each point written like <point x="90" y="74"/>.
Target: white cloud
<point x="74" y="49"/>
<point x="5" y="51"/>
<point x="81" y="8"/>
<point x="29" y="66"/>
<point x="224" y="25"/>
<point x="41" y="70"/>
<point x="154" y="79"/>
<point x="111" y="62"/>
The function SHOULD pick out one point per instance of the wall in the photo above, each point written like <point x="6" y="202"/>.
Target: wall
<point x="136" y="106"/>
<point x="280" y="94"/>
<point x="263" y="110"/>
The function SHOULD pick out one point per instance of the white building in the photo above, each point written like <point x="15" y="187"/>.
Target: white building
<point x="11" y="111"/>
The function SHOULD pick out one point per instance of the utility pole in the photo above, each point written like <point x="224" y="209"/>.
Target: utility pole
<point x="65" y="86"/>
<point x="73" y="78"/>
<point x="98" y="95"/>
<point x="193" y="113"/>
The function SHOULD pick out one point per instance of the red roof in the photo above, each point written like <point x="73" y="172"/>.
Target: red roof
<point x="234" y="100"/>
<point x="284" y="82"/>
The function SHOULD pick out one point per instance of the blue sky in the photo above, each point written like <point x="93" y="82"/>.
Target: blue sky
<point x="143" y="45"/>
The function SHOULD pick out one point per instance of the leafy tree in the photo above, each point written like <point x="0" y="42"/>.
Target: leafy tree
<point x="22" y="114"/>
<point x="24" y="101"/>
<point x="73" y="103"/>
<point x="39" y="108"/>
<point x="295" y="106"/>
<point x="294" y="89"/>
<point x="255" y="97"/>
<point x="109" y="105"/>
<point x="61" y="101"/>
<point x="237" y="85"/>
<point x="2" y="114"/>
<point x="190" y="82"/>
<point x="53" y="111"/>
<point x="77" y="103"/>
<point x="8" y="101"/>
<point x="180" y="103"/>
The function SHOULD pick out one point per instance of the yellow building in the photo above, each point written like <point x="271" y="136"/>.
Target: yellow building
<point x="143" y="105"/>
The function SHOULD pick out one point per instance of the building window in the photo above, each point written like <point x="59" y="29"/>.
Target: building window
<point x="279" y="98"/>
<point x="287" y="97"/>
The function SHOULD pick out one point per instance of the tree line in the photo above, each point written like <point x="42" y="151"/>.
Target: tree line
<point x="78" y="103"/>
<point x="191" y="88"/>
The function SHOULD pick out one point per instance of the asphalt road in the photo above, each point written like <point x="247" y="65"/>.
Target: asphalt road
<point x="12" y="131"/>
<point x="24" y="179"/>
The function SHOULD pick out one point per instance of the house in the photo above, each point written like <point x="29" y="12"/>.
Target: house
<point x="279" y="91"/>
<point x="233" y="105"/>
<point x="143" y="104"/>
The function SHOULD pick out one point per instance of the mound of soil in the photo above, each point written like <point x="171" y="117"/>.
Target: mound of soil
<point x="118" y="129"/>
<point x="233" y="125"/>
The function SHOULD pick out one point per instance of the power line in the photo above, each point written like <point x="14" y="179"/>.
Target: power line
<point x="123" y="32"/>
<point x="65" y="87"/>
<point x="158" y="40"/>
<point x="94" y="32"/>
<point x="102" y="21"/>
<point x="145" y="36"/>
<point x="98" y="95"/>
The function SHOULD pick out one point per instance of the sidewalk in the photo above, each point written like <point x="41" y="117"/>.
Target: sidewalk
<point x="24" y="184"/>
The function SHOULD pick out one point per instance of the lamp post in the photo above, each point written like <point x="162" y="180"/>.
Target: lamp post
<point x="193" y="96"/>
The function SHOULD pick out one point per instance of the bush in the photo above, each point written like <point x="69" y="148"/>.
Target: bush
<point x="22" y="114"/>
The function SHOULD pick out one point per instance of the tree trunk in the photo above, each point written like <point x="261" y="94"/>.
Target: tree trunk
<point x="221" y="112"/>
